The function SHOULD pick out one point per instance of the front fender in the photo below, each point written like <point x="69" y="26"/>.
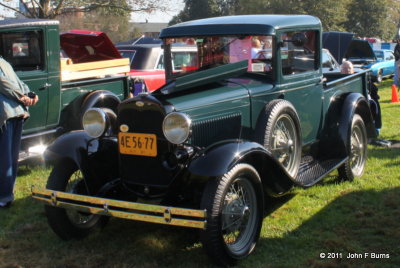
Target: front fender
<point x="97" y="158"/>
<point x="219" y="158"/>
<point x="72" y="146"/>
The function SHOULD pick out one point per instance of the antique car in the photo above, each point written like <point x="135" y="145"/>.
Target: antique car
<point x="384" y="65"/>
<point x="147" y="66"/>
<point x="206" y="149"/>
<point x="89" y="74"/>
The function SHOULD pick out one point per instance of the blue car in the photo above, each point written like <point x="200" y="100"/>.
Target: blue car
<point x="360" y="53"/>
<point x="383" y="66"/>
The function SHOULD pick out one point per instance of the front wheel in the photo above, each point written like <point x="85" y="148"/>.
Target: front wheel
<point x="68" y="223"/>
<point x="234" y="204"/>
<point x="354" y="166"/>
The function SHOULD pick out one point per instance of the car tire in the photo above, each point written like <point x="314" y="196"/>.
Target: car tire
<point x="70" y="224"/>
<point x="234" y="204"/>
<point x="358" y="141"/>
<point x="278" y="130"/>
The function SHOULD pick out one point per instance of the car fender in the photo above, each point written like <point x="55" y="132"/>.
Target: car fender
<point x="219" y="158"/>
<point x="355" y="103"/>
<point x="336" y="144"/>
<point x="94" y="157"/>
<point x="100" y="98"/>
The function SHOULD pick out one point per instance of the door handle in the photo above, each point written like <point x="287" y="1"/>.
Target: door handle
<point x="45" y="86"/>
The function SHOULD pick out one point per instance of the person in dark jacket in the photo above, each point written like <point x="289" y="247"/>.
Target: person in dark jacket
<point x="14" y="100"/>
<point x="396" y="63"/>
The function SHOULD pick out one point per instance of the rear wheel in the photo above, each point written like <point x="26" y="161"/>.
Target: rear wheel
<point x="68" y="223"/>
<point x="234" y="203"/>
<point x="354" y="166"/>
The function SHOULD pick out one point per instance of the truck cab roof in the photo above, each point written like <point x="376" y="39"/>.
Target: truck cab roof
<point x="18" y="23"/>
<point x="245" y="24"/>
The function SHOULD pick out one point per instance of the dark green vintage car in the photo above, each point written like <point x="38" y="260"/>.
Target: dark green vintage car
<point x="251" y="116"/>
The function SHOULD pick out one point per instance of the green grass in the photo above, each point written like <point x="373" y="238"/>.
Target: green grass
<point x="332" y="217"/>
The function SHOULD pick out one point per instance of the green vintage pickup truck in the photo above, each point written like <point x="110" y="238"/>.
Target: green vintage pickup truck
<point x="251" y="116"/>
<point x="67" y="87"/>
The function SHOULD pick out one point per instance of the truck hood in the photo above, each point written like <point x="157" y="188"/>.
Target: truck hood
<point x="343" y="45"/>
<point x="87" y="46"/>
<point x="205" y="77"/>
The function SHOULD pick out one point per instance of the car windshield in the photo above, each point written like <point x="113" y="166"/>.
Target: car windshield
<point x="213" y="51"/>
<point x="379" y="55"/>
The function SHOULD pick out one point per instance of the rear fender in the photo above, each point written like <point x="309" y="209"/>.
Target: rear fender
<point x="340" y="115"/>
<point x="354" y="103"/>
<point x="218" y="159"/>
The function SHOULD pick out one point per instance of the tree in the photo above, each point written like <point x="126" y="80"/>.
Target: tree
<point x="51" y="9"/>
<point x="196" y="9"/>
<point x="368" y="18"/>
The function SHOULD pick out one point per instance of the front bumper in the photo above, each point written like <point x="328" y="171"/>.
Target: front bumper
<point x="193" y="218"/>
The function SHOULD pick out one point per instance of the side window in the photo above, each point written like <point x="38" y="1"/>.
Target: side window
<point x="390" y="56"/>
<point x="23" y="50"/>
<point x="299" y="52"/>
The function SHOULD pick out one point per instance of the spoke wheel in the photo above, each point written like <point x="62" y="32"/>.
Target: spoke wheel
<point x="354" y="166"/>
<point x="278" y="129"/>
<point x="235" y="207"/>
<point x="282" y="141"/>
<point x="69" y="223"/>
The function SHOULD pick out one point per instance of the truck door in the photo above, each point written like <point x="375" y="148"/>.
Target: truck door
<point x="24" y="50"/>
<point x="301" y="78"/>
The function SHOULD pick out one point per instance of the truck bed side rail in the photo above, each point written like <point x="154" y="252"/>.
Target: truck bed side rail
<point x="193" y="218"/>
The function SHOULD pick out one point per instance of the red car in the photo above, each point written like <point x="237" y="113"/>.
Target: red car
<point x="147" y="63"/>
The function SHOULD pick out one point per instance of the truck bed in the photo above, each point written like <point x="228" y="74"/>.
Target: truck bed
<point x="75" y="71"/>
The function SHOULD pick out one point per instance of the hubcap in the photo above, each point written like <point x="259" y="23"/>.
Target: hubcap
<point x="283" y="143"/>
<point x="239" y="215"/>
<point x="357" y="155"/>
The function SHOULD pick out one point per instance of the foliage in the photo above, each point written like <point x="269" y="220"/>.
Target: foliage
<point x="51" y="9"/>
<point x="365" y="18"/>
<point x="368" y="18"/>
<point x="116" y="27"/>
<point x="331" y="217"/>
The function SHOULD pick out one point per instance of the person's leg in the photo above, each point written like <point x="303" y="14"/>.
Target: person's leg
<point x="10" y="139"/>
<point x="396" y="73"/>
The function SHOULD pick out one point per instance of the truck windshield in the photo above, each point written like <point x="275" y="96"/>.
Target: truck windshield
<point x="212" y="51"/>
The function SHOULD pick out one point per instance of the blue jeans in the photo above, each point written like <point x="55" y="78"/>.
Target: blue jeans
<point x="396" y="73"/>
<point x="10" y="141"/>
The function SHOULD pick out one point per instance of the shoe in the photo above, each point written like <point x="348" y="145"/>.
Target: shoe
<point x="7" y="205"/>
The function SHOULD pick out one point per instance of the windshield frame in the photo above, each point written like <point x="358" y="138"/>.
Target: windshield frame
<point x="228" y="40"/>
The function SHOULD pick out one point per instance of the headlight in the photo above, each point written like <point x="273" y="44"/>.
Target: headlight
<point x="95" y="122"/>
<point x="177" y="127"/>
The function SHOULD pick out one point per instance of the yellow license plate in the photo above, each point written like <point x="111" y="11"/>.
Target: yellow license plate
<point x="137" y="144"/>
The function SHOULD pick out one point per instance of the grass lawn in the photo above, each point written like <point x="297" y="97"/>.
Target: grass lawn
<point x="331" y="219"/>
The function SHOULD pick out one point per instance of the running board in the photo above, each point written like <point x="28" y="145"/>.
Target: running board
<point x="312" y="170"/>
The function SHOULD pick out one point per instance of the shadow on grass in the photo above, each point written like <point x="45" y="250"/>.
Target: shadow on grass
<point x="359" y="222"/>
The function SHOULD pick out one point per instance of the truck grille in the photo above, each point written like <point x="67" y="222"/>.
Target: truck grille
<point x="145" y="115"/>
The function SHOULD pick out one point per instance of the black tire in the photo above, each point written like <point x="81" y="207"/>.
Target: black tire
<point x="240" y="193"/>
<point x="70" y="224"/>
<point x="354" y="166"/>
<point x="278" y="130"/>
